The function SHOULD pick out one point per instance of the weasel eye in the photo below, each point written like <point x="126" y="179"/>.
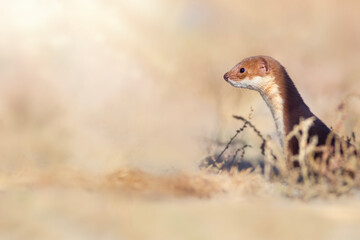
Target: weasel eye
<point x="242" y="70"/>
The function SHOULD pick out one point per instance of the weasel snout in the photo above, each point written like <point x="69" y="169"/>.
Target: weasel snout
<point x="226" y="77"/>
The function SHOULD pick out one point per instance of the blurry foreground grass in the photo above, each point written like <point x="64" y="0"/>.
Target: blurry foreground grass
<point x="133" y="204"/>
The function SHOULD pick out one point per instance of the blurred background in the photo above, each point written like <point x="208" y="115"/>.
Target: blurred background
<point x="95" y="86"/>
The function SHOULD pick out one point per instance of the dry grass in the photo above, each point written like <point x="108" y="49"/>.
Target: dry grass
<point x="322" y="172"/>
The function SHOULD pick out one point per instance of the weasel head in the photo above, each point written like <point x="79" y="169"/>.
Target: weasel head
<point x="254" y="73"/>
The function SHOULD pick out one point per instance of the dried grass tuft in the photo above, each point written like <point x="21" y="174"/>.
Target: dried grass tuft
<point x="323" y="171"/>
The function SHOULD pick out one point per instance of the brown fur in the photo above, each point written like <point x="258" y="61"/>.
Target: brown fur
<point x="294" y="108"/>
<point x="254" y="67"/>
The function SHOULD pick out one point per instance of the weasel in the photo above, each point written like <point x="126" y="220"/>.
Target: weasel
<point x="267" y="76"/>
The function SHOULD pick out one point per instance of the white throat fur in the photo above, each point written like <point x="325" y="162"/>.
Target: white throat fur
<point x="270" y="92"/>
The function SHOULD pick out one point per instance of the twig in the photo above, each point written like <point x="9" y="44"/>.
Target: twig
<point x="231" y="140"/>
<point x="246" y="122"/>
<point x="242" y="149"/>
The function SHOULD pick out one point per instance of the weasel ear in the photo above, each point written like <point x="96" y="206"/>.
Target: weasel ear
<point x="264" y="66"/>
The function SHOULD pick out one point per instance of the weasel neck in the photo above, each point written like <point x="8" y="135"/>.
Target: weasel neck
<point x="285" y="103"/>
<point x="270" y="92"/>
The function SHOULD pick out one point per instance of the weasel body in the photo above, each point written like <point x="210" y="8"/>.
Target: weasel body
<point x="267" y="76"/>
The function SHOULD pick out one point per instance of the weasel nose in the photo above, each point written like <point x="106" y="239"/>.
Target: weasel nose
<point x="226" y="76"/>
